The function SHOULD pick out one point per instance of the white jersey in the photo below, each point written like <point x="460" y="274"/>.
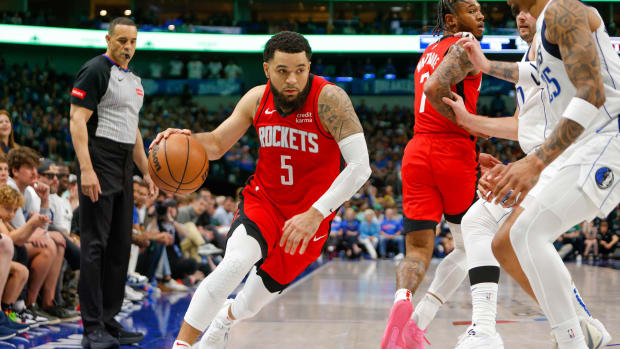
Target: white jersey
<point x="560" y="90"/>
<point x="596" y="154"/>
<point x="535" y="119"/>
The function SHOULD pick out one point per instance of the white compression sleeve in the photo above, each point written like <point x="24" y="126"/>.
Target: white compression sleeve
<point x="350" y="180"/>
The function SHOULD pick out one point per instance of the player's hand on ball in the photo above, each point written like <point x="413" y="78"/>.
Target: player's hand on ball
<point x="517" y="179"/>
<point x="300" y="228"/>
<point x="167" y="133"/>
<point x="474" y="51"/>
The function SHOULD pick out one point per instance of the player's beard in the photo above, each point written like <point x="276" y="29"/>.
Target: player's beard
<point x="281" y="102"/>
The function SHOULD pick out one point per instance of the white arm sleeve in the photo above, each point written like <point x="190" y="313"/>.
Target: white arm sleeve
<point x="350" y="180"/>
<point x="528" y="75"/>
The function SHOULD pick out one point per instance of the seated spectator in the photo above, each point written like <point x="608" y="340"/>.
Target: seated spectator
<point x="369" y="233"/>
<point x="7" y="138"/>
<point x="608" y="240"/>
<point x="39" y="259"/>
<point x="23" y="163"/>
<point x="391" y="234"/>
<point x="591" y="240"/>
<point x="334" y="240"/>
<point x="13" y="277"/>
<point x="224" y="213"/>
<point x="350" y="234"/>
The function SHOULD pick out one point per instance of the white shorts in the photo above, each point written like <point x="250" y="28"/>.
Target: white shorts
<point x="598" y="156"/>
<point x="545" y="177"/>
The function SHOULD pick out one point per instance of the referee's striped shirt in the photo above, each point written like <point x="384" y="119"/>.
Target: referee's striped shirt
<point x="115" y="95"/>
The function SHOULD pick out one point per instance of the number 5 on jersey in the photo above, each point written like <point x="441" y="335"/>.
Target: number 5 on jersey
<point x="288" y="179"/>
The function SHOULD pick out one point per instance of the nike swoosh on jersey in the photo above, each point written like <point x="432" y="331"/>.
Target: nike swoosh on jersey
<point x="319" y="238"/>
<point x="269" y="112"/>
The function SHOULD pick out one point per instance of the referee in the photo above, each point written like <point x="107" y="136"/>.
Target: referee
<point x="105" y="101"/>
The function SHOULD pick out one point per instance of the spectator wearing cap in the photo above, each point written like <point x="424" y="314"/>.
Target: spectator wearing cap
<point x="61" y="214"/>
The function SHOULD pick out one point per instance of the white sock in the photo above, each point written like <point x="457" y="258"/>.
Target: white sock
<point x="484" y="307"/>
<point x="181" y="345"/>
<point x="580" y="305"/>
<point x="425" y="311"/>
<point x="569" y="335"/>
<point x="19" y="305"/>
<point x="402" y="294"/>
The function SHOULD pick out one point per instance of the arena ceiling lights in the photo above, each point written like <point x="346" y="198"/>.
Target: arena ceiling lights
<point x="87" y="38"/>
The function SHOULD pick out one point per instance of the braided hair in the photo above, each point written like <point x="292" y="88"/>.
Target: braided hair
<point x="444" y="7"/>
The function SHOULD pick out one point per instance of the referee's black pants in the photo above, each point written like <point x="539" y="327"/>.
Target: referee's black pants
<point x="105" y="235"/>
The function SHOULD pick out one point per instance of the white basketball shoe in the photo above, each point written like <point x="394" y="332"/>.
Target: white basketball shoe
<point x="472" y="339"/>
<point x="595" y="333"/>
<point x="218" y="333"/>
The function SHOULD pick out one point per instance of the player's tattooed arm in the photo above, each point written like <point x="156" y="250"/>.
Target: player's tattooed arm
<point x="453" y="69"/>
<point x="508" y="71"/>
<point x="564" y="134"/>
<point x="568" y="25"/>
<point x="337" y="114"/>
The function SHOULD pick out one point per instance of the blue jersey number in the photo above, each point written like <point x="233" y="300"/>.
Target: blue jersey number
<point x="520" y="96"/>
<point x="549" y="80"/>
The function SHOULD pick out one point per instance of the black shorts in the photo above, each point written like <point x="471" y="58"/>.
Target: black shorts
<point x="20" y="255"/>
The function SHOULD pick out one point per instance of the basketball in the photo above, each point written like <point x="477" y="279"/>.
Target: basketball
<point x="179" y="164"/>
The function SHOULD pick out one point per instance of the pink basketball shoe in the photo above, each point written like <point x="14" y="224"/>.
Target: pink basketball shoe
<point x="399" y="316"/>
<point x="414" y="336"/>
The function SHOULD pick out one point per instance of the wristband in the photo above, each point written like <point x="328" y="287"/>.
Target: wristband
<point x="580" y="111"/>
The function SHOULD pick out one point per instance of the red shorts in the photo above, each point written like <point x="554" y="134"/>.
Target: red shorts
<point x="440" y="175"/>
<point x="264" y="222"/>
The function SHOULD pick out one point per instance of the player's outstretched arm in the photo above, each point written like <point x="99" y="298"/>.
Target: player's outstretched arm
<point x="453" y="69"/>
<point x="219" y="141"/>
<point x="504" y="127"/>
<point x="570" y="25"/>
<point x="510" y="71"/>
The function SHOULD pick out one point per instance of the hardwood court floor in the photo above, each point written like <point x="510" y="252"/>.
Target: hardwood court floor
<point x="345" y="305"/>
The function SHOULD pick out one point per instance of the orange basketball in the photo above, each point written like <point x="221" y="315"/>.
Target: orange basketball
<point x="179" y="164"/>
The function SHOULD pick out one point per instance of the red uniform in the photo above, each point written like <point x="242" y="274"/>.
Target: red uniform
<point x="297" y="162"/>
<point x="440" y="166"/>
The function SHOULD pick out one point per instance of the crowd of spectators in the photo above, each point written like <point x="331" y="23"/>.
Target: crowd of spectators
<point x="387" y="20"/>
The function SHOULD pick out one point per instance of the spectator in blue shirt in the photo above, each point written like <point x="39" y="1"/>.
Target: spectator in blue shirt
<point x="369" y="233"/>
<point x="391" y="233"/>
<point x="350" y="228"/>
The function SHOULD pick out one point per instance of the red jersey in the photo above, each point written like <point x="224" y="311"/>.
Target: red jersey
<point x="427" y="119"/>
<point x="298" y="160"/>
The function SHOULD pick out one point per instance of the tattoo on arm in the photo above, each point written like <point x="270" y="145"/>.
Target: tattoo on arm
<point x="453" y="69"/>
<point x="565" y="133"/>
<point x="568" y="25"/>
<point x="337" y="114"/>
<point x="508" y="71"/>
<point x="410" y="273"/>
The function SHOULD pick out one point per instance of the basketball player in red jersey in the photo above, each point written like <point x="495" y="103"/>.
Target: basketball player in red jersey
<point x="304" y="124"/>
<point x="440" y="169"/>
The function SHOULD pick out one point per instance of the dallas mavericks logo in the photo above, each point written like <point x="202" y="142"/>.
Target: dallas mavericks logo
<point x="604" y="177"/>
